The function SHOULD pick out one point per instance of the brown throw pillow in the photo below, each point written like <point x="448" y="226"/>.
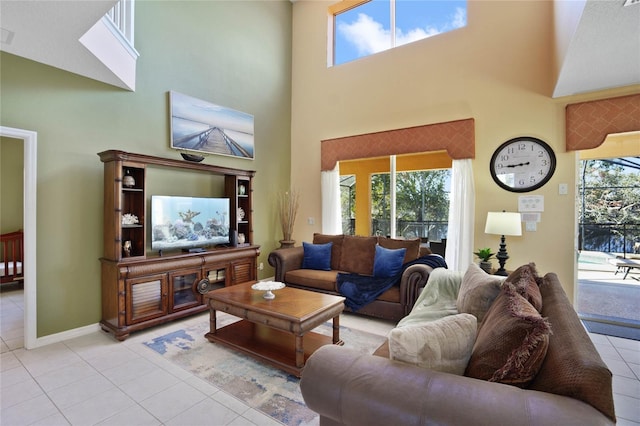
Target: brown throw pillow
<point x="336" y="249"/>
<point x="512" y="341"/>
<point x="412" y="246"/>
<point x="527" y="283"/>
<point x="358" y="254"/>
<point x="477" y="292"/>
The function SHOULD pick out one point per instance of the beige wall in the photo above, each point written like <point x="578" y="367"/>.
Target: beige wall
<point x="235" y="54"/>
<point x="498" y="71"/>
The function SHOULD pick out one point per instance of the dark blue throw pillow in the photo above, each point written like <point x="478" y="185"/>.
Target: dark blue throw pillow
<point x="388" y="262"/>
<point x="317" y="256"/>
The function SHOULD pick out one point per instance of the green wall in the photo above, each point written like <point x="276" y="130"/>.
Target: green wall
<point x="232" y="53"/>
<point x="11" y="181"/>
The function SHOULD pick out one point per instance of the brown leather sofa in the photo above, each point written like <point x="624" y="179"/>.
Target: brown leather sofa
<point x="353" y="254"/>
<point x="573" y="386"/>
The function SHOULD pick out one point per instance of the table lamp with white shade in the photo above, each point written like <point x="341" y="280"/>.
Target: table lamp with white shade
<point x="503" y="223"/>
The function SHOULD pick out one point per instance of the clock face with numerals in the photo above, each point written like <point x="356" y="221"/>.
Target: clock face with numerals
<point x="522" y="164"/>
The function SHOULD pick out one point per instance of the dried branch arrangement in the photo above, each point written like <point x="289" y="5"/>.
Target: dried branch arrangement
<point x="288" y="204"/>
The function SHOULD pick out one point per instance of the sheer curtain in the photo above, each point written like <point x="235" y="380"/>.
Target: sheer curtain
<point x="459" y="251"/>
<point x="331" y="211"/>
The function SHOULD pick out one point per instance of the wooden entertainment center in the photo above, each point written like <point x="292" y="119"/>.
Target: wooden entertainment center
<point x="140" y="289"/>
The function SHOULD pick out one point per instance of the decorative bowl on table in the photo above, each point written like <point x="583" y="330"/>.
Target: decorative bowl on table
<point x="268" y="287"/>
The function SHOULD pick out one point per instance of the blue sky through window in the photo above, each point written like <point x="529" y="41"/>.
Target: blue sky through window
<point x="365" y="30"/>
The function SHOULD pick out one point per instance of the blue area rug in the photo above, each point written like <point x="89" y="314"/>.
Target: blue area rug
<point x="259" y="385"/>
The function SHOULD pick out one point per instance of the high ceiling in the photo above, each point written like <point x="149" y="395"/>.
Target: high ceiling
<point x="603" y="53"/>
<point x="49" y="32"/>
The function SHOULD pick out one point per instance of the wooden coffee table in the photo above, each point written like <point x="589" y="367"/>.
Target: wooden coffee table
<point x="277" y="331"/>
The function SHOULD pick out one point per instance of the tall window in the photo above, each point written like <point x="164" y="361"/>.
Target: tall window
<point x="380" y="204"/>
<point x="422" y="204"/>
<point x="609" y="207"/>
<point x="348" y="203"/>
<point x="373" y="26"/>
<point x="421" y="194"/>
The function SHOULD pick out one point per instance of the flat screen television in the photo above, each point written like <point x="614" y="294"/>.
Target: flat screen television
<point x="188" y="222"/>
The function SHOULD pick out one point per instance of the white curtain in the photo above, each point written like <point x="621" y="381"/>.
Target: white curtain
<point x="331" y="211"/>
<point x="459" y="251"/>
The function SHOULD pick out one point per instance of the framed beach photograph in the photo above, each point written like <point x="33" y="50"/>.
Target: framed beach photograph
<point x="203" y="127"/>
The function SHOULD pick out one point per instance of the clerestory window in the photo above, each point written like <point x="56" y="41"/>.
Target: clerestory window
<point x="362" y="28"/>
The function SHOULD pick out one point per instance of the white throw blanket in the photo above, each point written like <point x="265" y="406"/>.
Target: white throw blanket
<point x="438" y="298"/>
<point x="434" y="335"/>
<point x="443" y="345"/>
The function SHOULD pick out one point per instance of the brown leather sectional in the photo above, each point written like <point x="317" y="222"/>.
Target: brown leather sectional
<point x="572" y="387"/>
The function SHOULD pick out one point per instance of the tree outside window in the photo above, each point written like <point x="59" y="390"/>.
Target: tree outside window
<point x="609" y="205"/>
<point x="422" y="204"/>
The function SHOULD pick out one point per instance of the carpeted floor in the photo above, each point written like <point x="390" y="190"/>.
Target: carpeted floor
<point x="261" y="386"/>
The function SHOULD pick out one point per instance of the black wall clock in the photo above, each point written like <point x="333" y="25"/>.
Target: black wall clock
<point x="522" y="164"/>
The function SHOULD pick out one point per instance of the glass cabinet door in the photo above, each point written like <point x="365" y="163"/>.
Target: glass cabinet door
<point x="183" y="293"/>
<point x="146" y="298"/>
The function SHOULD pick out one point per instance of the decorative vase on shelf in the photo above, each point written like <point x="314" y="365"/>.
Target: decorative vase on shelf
<point x="287" y="243"/>
<point x="241" y="238"/>
<point x="128" y="180"/>
<point x="126" y="248"/>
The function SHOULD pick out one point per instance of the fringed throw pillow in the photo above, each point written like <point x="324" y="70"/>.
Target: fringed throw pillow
<point x="512" y="341"/>
<point x="527" y="283"/>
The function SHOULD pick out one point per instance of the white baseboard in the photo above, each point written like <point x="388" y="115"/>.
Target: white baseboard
<point x="65" y="335"/>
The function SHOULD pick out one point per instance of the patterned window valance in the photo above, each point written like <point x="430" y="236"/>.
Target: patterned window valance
<point x="589" y="123"/>
<point x="456" y="137"/>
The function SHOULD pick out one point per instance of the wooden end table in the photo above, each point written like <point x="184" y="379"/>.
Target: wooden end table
<point x="276" y="331"/>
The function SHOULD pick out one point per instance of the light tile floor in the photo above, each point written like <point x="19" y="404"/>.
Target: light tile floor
<point x="95" y="380"/>
<point x="11" y="320"/>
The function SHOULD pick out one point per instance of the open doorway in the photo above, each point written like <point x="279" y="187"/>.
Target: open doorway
<point x="608" y="292"/>
<point x="30" y="146"/>
<point x="11" y="260"/>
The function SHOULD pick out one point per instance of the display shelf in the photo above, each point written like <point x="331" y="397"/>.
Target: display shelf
<point x="141" y="288"/>
<point x="241" y="199"/>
